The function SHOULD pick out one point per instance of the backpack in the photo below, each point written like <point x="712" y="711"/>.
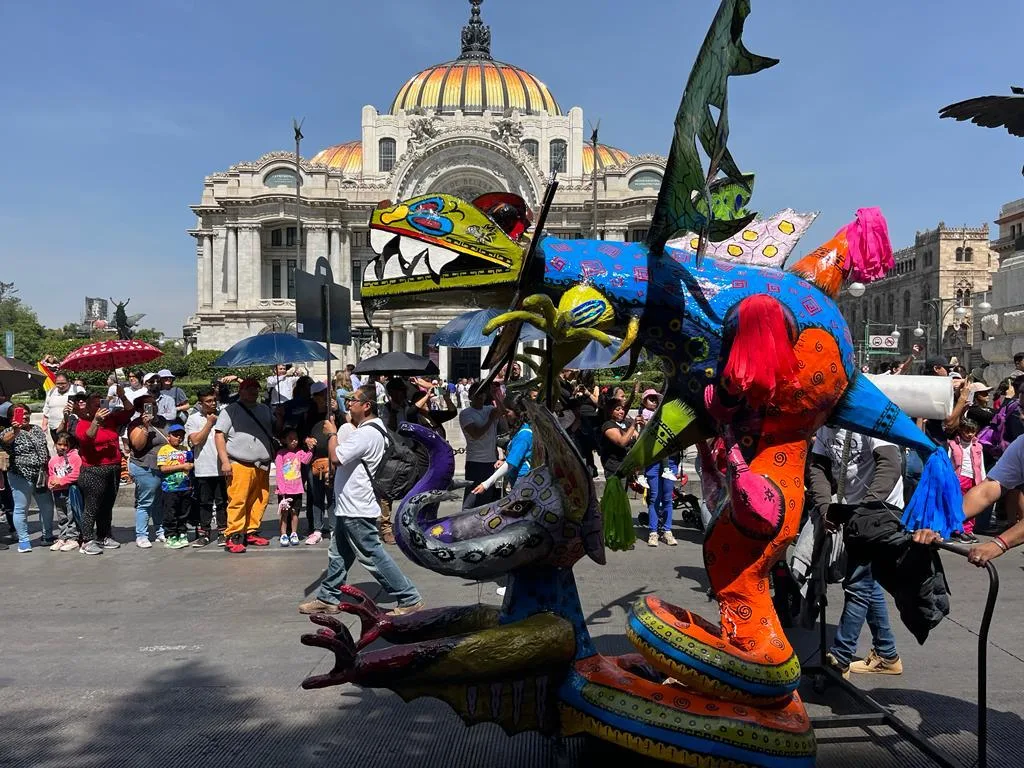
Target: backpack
<point x="993" y="437"/>
<point x="398" y="469"/>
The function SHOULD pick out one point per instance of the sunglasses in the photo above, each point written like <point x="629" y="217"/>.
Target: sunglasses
<point x="355" y="400"/>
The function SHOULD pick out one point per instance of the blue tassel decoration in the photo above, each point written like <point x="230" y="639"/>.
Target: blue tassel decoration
<point x="937" y="502"/>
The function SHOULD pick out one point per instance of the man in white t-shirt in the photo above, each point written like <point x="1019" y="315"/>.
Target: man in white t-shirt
<point x="356" y="536"/>
<point x="479" y="424"/>
<point x="281" y="384"/>
<point x="858" y="469"/>
<point x="56" y="400"/>
<point x="210" y="486"/>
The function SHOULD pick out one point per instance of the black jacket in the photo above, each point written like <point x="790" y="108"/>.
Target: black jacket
<point x="911" y="573"/>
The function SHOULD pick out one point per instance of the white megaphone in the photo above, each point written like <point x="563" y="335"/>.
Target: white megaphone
<point x="920" y="397"/>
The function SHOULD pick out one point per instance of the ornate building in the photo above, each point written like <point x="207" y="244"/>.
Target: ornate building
<point x="464" y="127"/>
<point x="1004" y="326"/>
<point x="945" y="269"/>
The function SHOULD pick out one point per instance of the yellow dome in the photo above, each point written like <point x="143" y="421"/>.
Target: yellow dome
<point x="607" y="157"/>
<point x="475" y="85"/>
<point x="347" y="157"/>
<point x="474" y="82"/>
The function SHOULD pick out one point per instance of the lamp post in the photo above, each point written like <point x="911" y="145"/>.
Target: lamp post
<point x="959" y="312"/>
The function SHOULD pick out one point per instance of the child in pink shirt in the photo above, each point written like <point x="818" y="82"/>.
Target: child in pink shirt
<point x="288" y="464"/>
<point x="62" y="472"/>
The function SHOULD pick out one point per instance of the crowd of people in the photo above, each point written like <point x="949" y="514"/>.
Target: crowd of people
<point x="201" y="469"/>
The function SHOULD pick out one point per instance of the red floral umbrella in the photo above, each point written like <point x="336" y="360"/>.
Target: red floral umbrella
<point x="107" y="355"/>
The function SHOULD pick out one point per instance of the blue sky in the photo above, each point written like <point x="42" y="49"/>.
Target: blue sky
<point x="115" y="111"/>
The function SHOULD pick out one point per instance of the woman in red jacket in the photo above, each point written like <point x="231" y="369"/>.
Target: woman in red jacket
<point x="97" y="430"/>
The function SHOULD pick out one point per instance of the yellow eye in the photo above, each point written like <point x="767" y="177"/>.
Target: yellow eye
<point x="750" y="235"/>
<point x="735" y="250"/>
<point x="786" y="227"/>
<point x="770" y="250"/>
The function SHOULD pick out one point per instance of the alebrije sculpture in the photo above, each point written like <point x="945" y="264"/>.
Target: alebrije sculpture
<point x="756" y="359"/>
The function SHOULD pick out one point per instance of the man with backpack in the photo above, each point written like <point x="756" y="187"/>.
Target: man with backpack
<point x="364" y="455"/>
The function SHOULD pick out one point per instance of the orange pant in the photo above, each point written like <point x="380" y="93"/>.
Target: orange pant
<point x="248" y="494"/>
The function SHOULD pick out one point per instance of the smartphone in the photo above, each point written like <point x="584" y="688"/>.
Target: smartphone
<point x="19" y="415"/>
<point x="105" y="403"/>
<point x="149" y="409"/>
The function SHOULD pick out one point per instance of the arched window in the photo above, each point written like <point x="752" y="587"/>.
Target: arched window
<point x="532" y="148"/>
<point x="645" y="180"/>
<point x="878" y="310"/>
<point x="386" y="154"/>
<point x="282" y="177"/>
<point x="867" y="315"/>
<point x="959" y="254"/>
<point x="926" y="293"/>
<point x="963" y="297"/>
<point x="889" y="306"/>
<point x="559" y="161"/>
<point x="853" y="317"/>
<point x="968" y="254"/>
<point x="906" y="306"/>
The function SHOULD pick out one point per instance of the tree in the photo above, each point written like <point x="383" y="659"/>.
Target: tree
<point x="15" y="316"/>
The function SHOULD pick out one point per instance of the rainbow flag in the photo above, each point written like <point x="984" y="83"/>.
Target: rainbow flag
<point x="48" y="372"/>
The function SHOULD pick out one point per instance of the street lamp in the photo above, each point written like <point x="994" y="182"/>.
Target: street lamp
<point x="959" y="312"/>
<point x="919" y="332"/>
<point x="895" y="333"/>
<point x="856" y="289"/>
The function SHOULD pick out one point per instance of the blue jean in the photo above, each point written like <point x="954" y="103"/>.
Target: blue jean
<point x="865" y="601"/>
<point x="147" y="499"/>
<point x="357" y="538"/>
<point x="911" y="474"/>
<point x="659" y="498"/>
<point x="24" y="491"/>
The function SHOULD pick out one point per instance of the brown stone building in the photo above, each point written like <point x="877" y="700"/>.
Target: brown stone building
<point x="945" y="269"/>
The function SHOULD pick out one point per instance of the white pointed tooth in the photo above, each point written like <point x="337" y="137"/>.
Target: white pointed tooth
<point x="379" y="239"/>
<point x="410" y="248"/>
<point x="438" y="258"/>
<point x="370" y="271"/>
<point x="422" y="269"/>
<point x="393" y="269"/>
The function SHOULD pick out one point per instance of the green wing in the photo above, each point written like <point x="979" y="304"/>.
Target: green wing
<point x="687" y="200"/>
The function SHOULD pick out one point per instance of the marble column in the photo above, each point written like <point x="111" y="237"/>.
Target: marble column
<point x="316" y="244"/>
<point x="255" y="259"/>
<point x="206" y="273"/>
<point x="231" y="267"/>
<point x="410" y="341"/>
<point x="385" y="341"/>
<point x="344" y="275"/>
<point x="334" y="253"/>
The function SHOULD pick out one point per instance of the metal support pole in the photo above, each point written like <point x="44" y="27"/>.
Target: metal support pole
<point x="325" y="313"/>
<point x="297" y="125"/>
<point x="593" y="182"/>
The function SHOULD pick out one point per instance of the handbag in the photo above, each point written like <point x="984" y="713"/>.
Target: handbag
<point x="321" y="468"/>
<point x="42" y="480"/>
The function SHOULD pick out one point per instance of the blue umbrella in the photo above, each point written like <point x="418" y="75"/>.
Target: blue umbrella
<point x="270" y="349"/>
<point x="467" y="330"/>
<point x="594" y="356"/>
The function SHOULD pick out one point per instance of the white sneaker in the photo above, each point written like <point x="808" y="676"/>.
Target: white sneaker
<point x="652" y="540"/>
<point x="143" y="542"/>
<point x="161" y="538"/>
<point x="55" y="547"/>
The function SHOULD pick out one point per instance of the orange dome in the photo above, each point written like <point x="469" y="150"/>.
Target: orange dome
<point x="473" y="86"/>
<point x="607" y="157"/>
<point x="347" y="157"/>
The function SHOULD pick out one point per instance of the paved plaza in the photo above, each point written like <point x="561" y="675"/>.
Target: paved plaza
<point x="192" y="658"/>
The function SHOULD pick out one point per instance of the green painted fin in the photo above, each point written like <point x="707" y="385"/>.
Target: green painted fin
<point x="617" y="517"/>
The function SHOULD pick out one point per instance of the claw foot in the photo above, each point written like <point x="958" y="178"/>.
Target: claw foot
<point x="335" y="637"/>
<point x="372" y="620"/>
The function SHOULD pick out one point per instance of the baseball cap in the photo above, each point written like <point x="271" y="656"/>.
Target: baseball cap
<point x="164" y="373"/>
<point x="148" y="378"/>
<point x="176" y="427"/>
<point x="935" y="362"/>
<point x="249" y="382"/>
<point x="79" y="396"/>
<point x="651" y="393"/>
<point x="955" y="375"/>
<point x="980" y="386"/>
<point x="318" y="387"/>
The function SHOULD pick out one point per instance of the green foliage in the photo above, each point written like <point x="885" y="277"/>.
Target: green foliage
<point x="199" y="365"/>
<point x="15" y="316"/>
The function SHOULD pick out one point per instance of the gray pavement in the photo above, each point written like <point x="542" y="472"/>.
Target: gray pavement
<point x="191" y="657"/>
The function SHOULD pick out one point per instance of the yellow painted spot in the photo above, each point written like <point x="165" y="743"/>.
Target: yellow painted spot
<point x="437" y="530"/>
<point x="398" y="213"/>
<point x="786" y="227"/>
<point x="550" y="517"/>
<point x="494" y="522"/>
<point x="750" y="235"/>
<point x="695" y="243"/>
<point x="709" y="372"/>
<point x="735" y="250"/>
<point x="770" y="250"/>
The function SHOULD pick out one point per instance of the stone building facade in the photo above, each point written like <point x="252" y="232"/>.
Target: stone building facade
<point x="945" y="268"/>
<point x="465" y="127"/>
<point x="1003" y="326"/>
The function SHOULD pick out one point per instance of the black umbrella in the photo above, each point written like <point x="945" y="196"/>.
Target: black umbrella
<point x="16" y="376"/>
<point x="398" y="364"/>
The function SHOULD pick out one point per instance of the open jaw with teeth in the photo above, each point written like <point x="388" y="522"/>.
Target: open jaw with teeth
<point x="400" y="257"/>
